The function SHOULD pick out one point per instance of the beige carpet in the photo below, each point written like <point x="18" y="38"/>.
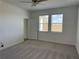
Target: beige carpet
<point x="33" y="49"/>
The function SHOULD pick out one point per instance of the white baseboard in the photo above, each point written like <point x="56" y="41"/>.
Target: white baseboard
<point x="12" y="44"/>
<point x="77" y="51"/>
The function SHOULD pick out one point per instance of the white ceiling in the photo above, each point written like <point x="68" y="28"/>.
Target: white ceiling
<point x="43" y="5"/>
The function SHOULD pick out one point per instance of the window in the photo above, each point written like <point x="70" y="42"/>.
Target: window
<point x="43" y="23"/>
<point x="56" y="22"/>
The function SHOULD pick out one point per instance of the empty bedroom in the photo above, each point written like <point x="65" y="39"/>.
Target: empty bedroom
<point x="39" y="29"/>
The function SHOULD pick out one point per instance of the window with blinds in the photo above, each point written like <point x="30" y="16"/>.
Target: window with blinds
<point x="43" y="23"/>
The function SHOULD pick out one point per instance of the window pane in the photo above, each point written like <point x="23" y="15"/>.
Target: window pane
<point x="43" y="23"/>
<point x="43" y="27"/>
<point x="56" y="27"/>
<point x="40" y="19"/>
<point x="43" y="19"/>
<point x="58" y="18"/>
<point x="40" y="27"/>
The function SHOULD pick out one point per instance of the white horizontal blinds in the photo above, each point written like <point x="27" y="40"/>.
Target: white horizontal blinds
<point x="56" y="23"/>
<point x="43" y="23"/>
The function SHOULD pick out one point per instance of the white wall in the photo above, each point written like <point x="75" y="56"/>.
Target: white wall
<point x="78" y="33"/>
<point x="11" y="24"/>
<point x="68" y="36"/>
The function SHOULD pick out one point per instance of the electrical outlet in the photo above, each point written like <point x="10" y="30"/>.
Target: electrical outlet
<point x="2" y="45"/>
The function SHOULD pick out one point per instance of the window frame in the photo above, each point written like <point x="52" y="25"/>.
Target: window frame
<point x="50" y="23"/>
<point x="57" y="23"/>
<point x="43" y="23"/>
